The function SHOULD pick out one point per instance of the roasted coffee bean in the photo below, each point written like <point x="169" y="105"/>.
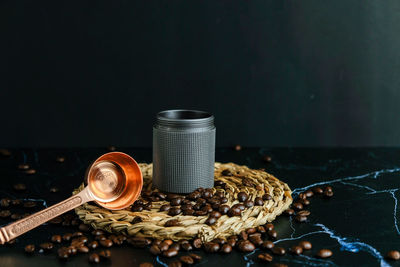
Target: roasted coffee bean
<point x="243" y="235"/>
<point x="318" y="190"/>
<point x="175" y="264"/>
<point x="56" y="239"/>
<point x="210" y="220"/>
<point x="172" y="222"/>
<point x="5" y="202"/>
<point x="305" y="245"/>
<point x="175" y="246"/>
<point x="216" y="206"/>
<point x="47" y="246"/>
<point x="302" y="196"/>
<point x="269" y="226"/>
<point x="207" y="209"/>
<point x="137" y="208"/>
<point x="83" y="249"/>
<point x="197" y="206"/>
<point x="195" y="257"/>
<point x="84" y="227"/>
<point x="238" y="148"/>
<point x="300" y="218"/>
<point x="5" y="213"/>
<point x="272" y="234"/>
<point x="258" y="201"/>
<point x="234" y="211"/>
<point x="72" y="250"/>
<point x="56" y="220"/>
<point x="146" y="264"/>
<point x="200" y="213"/>
<point x="16" y="202"/>
<point x="305" y="202"/>
<point x="265" y="257"/>
<point x="328" y="194"/>
<point x="251" y="230"/>
<point x="201" y="201"/>
<point x="106" y="254"/>
<point x="324" y="253"/>
<point x="29" y="204"/>
<point x="223" y="209"/>
<point x="328" y="188"/>
<point x="16" y="216"/>
<point x="97" y="232"/>
<point x="77" y="234"/>
<point x="29" y="248"/>
<point x="215" y="214"/>
<point x="278" y="250"/>
<point x="170" y="253"/>
<point x="219" y="194"/>
<point x="164" y="246"/>
<point x="297" y="250"/>
<point x="53" y="189"/>
<point x="261" y="229"/>
<point x="60" y="159"/>
<point x="242" y="196"/>
<point x="231" y="242"/>
<point x="266" y="197"/>
<point x="223" y="200"/>
<point x="93" y="245"/>
<point x="256" y="240"/>
<point x="207" y="194"/>
<point x="80" y="239"/>
<point x="30" y="171"/>
<point x="176" y="201"/>
<point x="63" y="253"/>
<point x="106" y="243"/>
<point x="304" y="213"/>
<point x="186" y="206"/>
<point x="168" y="241"/>
<point x="20" y="187"/>
<point x="67" y="236"/>
<point x="226" y="248"/>
<point x="197" y="243"/>
<point x="138" y="242"/>
<point x="94" y="258"/>
<point x="187" y="246"/>
<point x="391" y="255"/>
<point x="194" y="195"/>
<point x="155" y="250"/>
<point x="23" y="166"/>
<point x="267" y="244"/>
<point x="249" y="203"/>
<point x="188" y="212"/>
<point x="186" y="260"/>
<point x="218" y="183"/>
<point x="297" y="206"/>
<point x="225" y="172"/>
<point x="246" y="246"/>
<point x="211" y="247"/>
<point x="309" y="193"/>
<point x="174" y="211"/>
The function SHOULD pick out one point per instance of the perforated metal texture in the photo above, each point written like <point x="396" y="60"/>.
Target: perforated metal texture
<point x="183" y="161"/>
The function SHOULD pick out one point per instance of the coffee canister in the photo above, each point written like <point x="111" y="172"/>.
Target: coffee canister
<point x="183" y="150"/>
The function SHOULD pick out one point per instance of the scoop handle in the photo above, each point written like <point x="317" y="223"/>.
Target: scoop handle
<point x="26" y="224"/>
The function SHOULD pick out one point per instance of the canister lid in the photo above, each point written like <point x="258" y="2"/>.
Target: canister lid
<point x="183" y="118"/>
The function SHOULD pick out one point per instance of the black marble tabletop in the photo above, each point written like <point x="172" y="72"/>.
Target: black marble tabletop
<point x="359" y="224"/>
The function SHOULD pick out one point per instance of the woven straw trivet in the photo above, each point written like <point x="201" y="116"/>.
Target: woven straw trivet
<point x="151" y="223"/>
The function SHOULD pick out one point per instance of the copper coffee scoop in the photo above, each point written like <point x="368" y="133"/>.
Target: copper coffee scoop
<point x="114" y="181"/>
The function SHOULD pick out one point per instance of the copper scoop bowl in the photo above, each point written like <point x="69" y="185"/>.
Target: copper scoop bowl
<point x="114" y="181"/>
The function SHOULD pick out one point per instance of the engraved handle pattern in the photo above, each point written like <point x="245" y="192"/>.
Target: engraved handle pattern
<point x="24" y="225"/>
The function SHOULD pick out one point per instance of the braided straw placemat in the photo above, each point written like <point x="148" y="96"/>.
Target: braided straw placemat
<point x="151" y="223"/>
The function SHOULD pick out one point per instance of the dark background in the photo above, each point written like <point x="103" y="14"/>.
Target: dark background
<point x="274" y="73"/>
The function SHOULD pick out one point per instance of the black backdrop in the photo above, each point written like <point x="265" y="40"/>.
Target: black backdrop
<point x="274" y="73"/>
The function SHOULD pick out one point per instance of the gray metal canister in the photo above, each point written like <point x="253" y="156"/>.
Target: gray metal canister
<point x="183" y="150"/>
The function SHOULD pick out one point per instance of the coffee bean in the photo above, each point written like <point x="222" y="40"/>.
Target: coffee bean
<point x="106" y="254"/>
<point x="267" y="244"/>
<point x="305" y="202"/>
<point x="242" y="196"/>
<point x="238" y="147"/>
<point x="174" y="211"/>
<point x="305" y="245"/>
<point x="234" y="211"/>
<point x="223" y="200"/>
<point x="215" y="214"/>
<point x="211" y="247"/>
<point x="265" y="257"/>
<point x="195" y="257"/>
<point x="168" y="241"/>
<point x="29" y="204"/>
<point x="84" y="227"/>
<point x="5" y="213"/>
<point x="94" y="258"/>
<point x="251" y="230"/>
<point x="207" y="208"/>
<point x="170" y="253"/>
<point x="146" y="264"/>
<point x="231" y="242"/>
<point x="29" y="248"/>
<point x="223" y="209"/>
<point x="258" y="201"/>
<point x="226" y="248"/>
<point x="226" y="172"/>
<point x="60" y="159"/>
<point x="246" y="246"/>
<point x="269" y="227"/>
<point x="300" y="218"/>
<point x="256" y="240"/>
<point x="175" y="246"/>
<point x="106" y="243"/>
<point x="261" y="229"/>
<point x="210" y="220"/>
<point x="53" y="189"/>
<point x="47" y="246"/>
<point x="23" y="166"/>
<point x="155" y="250"/>
<point x="16" y="216"/>
<point x="77" y="234"/>
<point x="176" y="201"/>
<point x="297" y="250"/>
<point x="194" y="195"/>
<point x="272" y="234"/>
<point x="328" y="188"/>
<point x="175" y="264"/>
<point x="309" y="193"/>
<point x="393" y="255"/>
<point x="137" y="208"/>
<point x="187" y="246"/>
<point x="200" y="213"/>
<point x="163" y="246"/>
<point x="171" y="223"/>
<point x="93" y="244"/>
<point x="188" y="212"/>
<point x="5" y="152"/>
<point x="197" y="243"/>
<point x="30" y="171"/>
<point x="328" y="194"/>
<point x="266" y="197"/>
<point x="83" y="249"/>
<point x="186" y="207"/>
<point x="324" y="253"/>
<point x="297" y="206"/>
<point x="67" y="236"/>
<point x="278" y="251"/>
<point x="243" y="235"/>
<point x="187" y="260"/>
<point x="138" y="242"/>
<point x="72" y="250"/>
<point x="249" y="203"/>
<point x="304" y="213"/>
<point x="97" y="232"/>
<point x="63" y="253"/>
<point x="20" y="187"/>
<point x="317" y="190"/>
<point x="56" y="239"/>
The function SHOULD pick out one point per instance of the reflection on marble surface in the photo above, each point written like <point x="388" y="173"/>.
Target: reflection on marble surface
<point x="359" y="224"/>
